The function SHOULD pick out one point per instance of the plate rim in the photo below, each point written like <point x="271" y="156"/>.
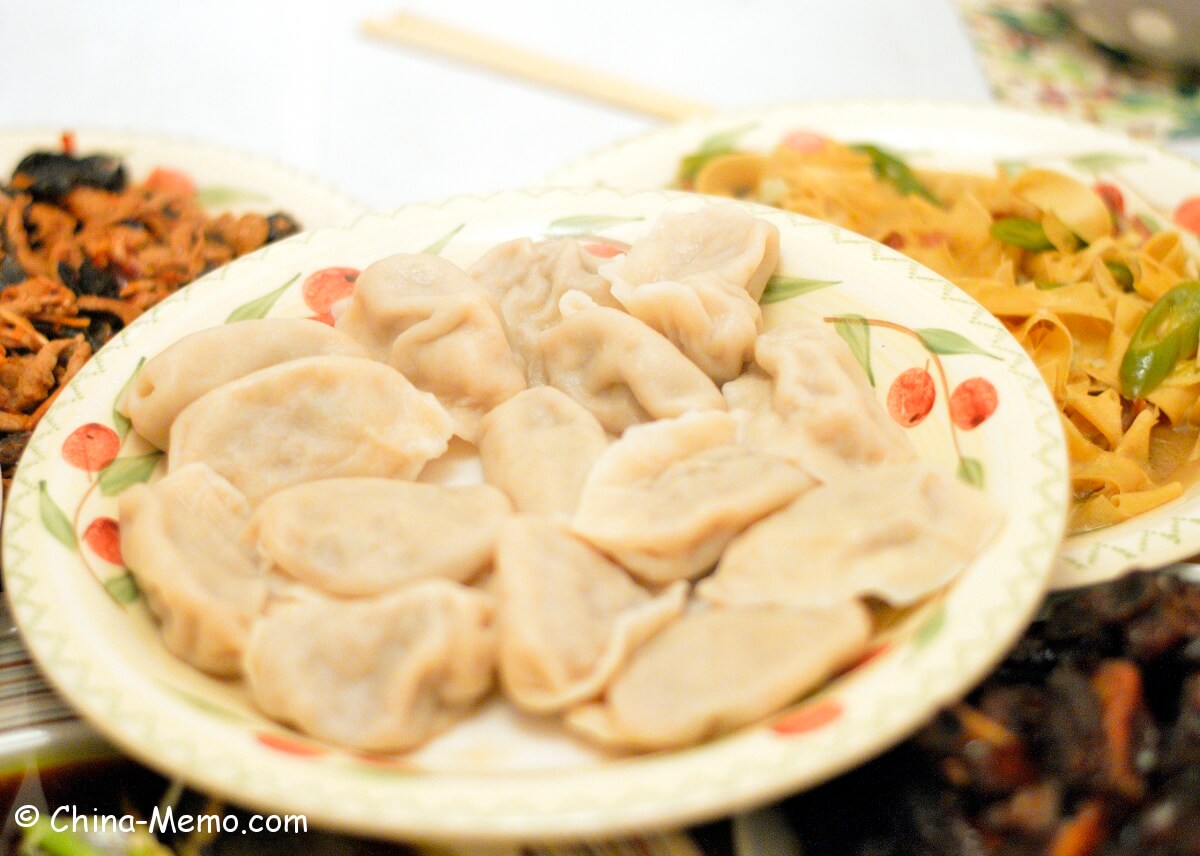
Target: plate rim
<point x="589" y="823"/>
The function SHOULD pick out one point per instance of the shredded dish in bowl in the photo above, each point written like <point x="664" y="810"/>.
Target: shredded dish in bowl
<point x="84" y="251"/>
<point x="1108" y="311"/>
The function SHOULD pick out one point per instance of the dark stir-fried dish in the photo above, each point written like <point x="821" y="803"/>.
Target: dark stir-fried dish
<point x="1084" y="742"/>
<point x="83" y="251"/>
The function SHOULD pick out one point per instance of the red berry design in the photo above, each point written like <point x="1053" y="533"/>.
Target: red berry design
<point x="911" y="397"/>
<point x="170" y="181"/>
<point x="103" y="535"/>
<point x="326" y="287"/>
<point x="603" y="251"/>
<point x="324" y="319"/>
<point x="972" y="402"/>
<point x="1112" y="197"/>
<point x="808" y="142"/>
<point x="91" y="447"/>
<point x="810" y="717"/>
<point x="1187" y="214"/>
<point x="285" y="744"/>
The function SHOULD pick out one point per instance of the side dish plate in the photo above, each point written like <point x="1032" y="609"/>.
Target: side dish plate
<point x="497" y="776"/>
<point x="971" y="138"/>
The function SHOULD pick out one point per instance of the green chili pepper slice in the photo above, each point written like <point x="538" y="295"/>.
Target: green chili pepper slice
<point x="1167" y="334"/>
<point x="1023" y="233"/>
<point x="890" y="168"/>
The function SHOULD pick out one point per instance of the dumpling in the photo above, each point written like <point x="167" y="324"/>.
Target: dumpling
<point x="201" y="362"/>
<point x="620" y="369"/>
<point x="897" y="532"/>
<point x="666" y="498"/>
<point x="357" y="537"/>
<point x="715" y="670"/>
<point x="810" y="402"/>
<point x="697" y="279"/>
<point x="528" y="280"/>
<point x="315" y="418"/>
<point x="425" y="317"/>
<point x="568" y="617"/>
<point x="379" y="675"/>
<point x="538" y="448"/>
<point x="180" y="538"/>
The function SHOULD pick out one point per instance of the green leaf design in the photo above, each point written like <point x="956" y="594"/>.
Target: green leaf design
<point x="781" y="288"/>
<point x="930" y="627"/>
<point x="1012" y="167"/>
<point x="123" y="589"/>
<point x="56" y="523"/>
<point x="440" y="244"/>
<point x="123" y="472"/>
<point x="218" y="195"/>
<point x="947" y="342"/>
<point x="1152" y="224"/>
<point x="201" y="703"/>
<point x="586" y="224"/>
<point x="857" y="333"/>
<point x="261" y="306"/>
<point x="1094" y="162"/>
<point x="120" y="421"/>
<point x="970" y="470"/>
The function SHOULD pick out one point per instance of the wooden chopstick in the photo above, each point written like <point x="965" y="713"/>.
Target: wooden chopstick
<point x="446" y="40"/>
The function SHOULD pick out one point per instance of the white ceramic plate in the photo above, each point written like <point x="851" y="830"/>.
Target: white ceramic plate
<point x="33" y="724"/>
<point x="499" y="775"/>
<point x="968" y="138"/>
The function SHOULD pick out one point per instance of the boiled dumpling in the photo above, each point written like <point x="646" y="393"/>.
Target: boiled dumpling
<point x="810" y="402"/>
<point x="697" y="278"/>
<point x="898" y="532"/>
<point x="568" y="617"/>
<point x="319" y="417"/>
<point x="620" y="369"/>
<point x="666" y="498"/>
<point x="538" y="447"/>
<point x="715" y="670"/>
<point x="363" y="536"/>
<point x="180" y="538"/>
<point x="425" y="317"/>
<point x="382" y="674"/>
<point x="201" y="362"/>
<point x="528" y="280"/>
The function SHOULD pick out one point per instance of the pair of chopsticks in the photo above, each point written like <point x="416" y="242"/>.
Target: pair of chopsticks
<point x="445" y="40"/>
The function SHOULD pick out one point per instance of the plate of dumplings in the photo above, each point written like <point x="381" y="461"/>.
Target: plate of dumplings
<point x="537" y="515"/>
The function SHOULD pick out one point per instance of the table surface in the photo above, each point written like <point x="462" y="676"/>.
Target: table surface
<point x="297" y="80"/>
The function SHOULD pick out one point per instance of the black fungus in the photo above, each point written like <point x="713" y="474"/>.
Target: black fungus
<point x="11" y="271"/>
<point x="50" y="176"/>
<point x="89" y="279"/>
<point x="280" y="226"/>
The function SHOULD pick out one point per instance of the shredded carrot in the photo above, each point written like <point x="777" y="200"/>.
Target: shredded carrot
<point x="1083" y="834"/>
<point x="1118" y="685"/>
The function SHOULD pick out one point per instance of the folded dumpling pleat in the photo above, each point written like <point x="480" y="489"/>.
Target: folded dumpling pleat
<point x="180" y="537"/>
<point x="358" y="537"/>
<point x="810" y="402"/>
<point x="714" y="670"/>
<point x="619" y="369"/>
<point x="315" y="418"/>
<point x="528" y="280"/>
<point x="697" y="279"/>
<point x="538" y="447"/>
<point x="382" y="674"/>
<point x="666" y="498"/>
<point x="425" y="317"/>
<point x="201" y="362"/>
<point x="568" y="617"/>
<point x="898" y="533"/>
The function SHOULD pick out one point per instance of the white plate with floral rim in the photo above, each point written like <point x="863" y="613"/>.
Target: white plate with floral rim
<point x="498" y="775"/>
<point x="1159" y="189"/>
<point x="32" y="722"/>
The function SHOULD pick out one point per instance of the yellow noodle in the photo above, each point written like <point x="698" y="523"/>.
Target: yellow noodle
<point x="1065" y="305"/>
